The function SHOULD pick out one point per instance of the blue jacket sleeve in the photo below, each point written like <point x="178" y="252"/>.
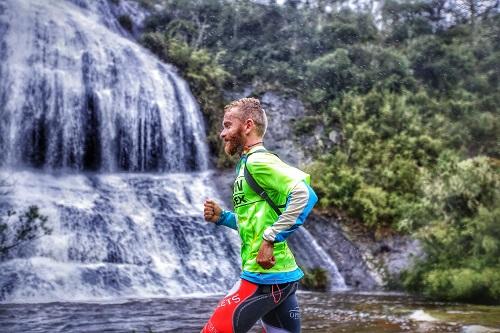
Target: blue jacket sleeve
<point x="228" y="219"/>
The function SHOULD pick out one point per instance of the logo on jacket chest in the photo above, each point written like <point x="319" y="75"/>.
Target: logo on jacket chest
<point x="238" y="194"/>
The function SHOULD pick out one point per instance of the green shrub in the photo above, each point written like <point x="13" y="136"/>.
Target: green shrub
<point x="305" y="125"/>
<point x="460" y="213"/>
<point x="316" y="279"/>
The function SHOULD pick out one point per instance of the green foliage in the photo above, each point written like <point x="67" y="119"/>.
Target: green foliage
<point x="408" y="19"/>
<point x="439" y="65"/>
<point x="371" y="203"/>
<point x="358" y="69"/>
<point x="315" y="279"/>
<point x="332" y="72"/>
<point x="347" y="28"/>
<point x="334" y="181"/>
<point x="374" y="172"/>
<point x="322" y="55"/>
<point x="31" y="225"/>
<point x="460" y="218"/>
<point x="305" y="125"/>
<point x="463" y="284"/>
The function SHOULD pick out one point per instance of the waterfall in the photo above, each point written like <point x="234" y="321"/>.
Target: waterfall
<point x="77" y="94"/>
<point x="311" y="255"/>
<point x="109" y="143"/>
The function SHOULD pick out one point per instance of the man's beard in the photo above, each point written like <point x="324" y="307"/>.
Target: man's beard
<point x="234" y="145"/>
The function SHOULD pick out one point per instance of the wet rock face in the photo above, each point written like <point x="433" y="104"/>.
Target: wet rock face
<point x="366" y="262"/>
<point x="397" y="253"/>
<point x="282" y="112"/>
<point x="346" y="254"/>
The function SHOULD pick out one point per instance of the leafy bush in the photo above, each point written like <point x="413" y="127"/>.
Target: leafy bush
<point x="373" y="174"/>
<point x="460" y="213"/>
<point x="315" y="279"/>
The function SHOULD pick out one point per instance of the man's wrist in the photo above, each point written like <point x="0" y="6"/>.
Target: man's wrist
<point x="268" y="235"/>
<point x="268" y="242"/>
<point x="220" y="220"/>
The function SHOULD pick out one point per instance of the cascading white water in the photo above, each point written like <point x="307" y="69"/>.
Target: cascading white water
<point x="77" y="95"/>
<point x="310" y="254"/>
<point x="117" y="235"/>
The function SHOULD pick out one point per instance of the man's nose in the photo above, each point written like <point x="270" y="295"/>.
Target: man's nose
<point x="222" y="134"/>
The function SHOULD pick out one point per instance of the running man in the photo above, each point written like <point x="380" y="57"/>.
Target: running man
<point x="270" y="275"/>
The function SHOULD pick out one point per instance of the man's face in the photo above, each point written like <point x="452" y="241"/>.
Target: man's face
<point x="233" y="132"/>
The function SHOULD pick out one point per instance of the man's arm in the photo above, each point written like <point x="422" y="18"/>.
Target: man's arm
<point x="228" y="219"/>
<point x="300" y="202"/>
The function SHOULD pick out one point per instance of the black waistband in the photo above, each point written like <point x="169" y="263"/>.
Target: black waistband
<point x="267" y="288"/>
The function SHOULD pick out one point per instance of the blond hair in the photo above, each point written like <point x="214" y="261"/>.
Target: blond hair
<point x="250" y="108"/>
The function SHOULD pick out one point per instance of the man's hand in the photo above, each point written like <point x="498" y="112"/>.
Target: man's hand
<point x="265" y="257"/>
<point x="212" y="211"/>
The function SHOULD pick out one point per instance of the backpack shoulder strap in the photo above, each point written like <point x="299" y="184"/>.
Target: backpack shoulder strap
<point x="256" y="187"/>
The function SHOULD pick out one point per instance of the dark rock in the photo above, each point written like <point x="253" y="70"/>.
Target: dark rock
<point x="346" y="254"/>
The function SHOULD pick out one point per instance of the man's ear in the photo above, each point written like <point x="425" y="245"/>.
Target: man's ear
<point x="249" y="125"/>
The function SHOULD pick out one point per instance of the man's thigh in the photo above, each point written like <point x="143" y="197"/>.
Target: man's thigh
<point x="225" y="316"/>
<point x="285" y="318"/>
<point x="244" y="305"/>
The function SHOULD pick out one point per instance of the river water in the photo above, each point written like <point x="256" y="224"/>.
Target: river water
<point x="321" y="312"/>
